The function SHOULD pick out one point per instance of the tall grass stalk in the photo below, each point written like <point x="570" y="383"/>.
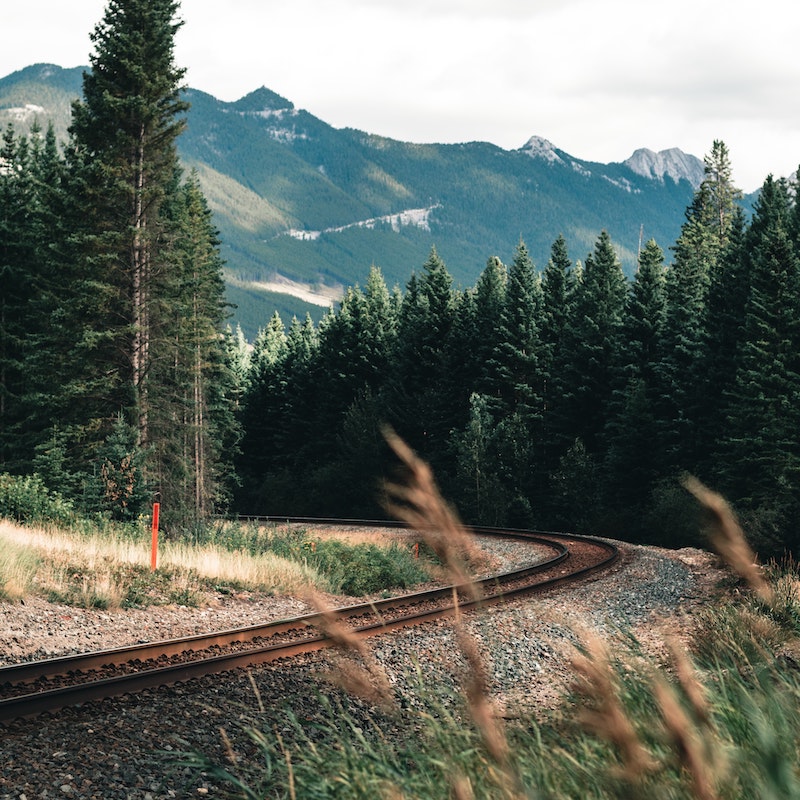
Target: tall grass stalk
<point x="718" y="723"/>
<point x="18" y="568"/>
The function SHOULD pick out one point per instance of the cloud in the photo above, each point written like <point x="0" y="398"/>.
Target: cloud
<point x="597" y="79"/>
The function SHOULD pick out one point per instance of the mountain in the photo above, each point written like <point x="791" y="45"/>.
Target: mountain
<point x="672" y="163"/>
<point x="304" y="209"/>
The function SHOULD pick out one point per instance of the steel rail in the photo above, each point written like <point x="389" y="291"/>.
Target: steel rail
<point x="490" y="591"/>
<point x="27" y="672"/>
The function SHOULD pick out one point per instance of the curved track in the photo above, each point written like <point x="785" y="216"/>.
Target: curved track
<point x="32" y="688"/>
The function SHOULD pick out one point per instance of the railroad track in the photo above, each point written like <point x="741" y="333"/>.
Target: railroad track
<point x="32" y="688"/>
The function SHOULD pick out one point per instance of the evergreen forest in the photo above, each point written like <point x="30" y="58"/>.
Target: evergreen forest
<point x="567" y="397"/>
<point x="571" y="398"/>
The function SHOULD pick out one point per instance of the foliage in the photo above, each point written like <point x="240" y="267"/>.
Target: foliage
<point x="114" y="376"/>
<point x="27" y="499"/>
<point x="597" y="390"/>
<point x="97" y="564"/>
<point x="353" y="569"/>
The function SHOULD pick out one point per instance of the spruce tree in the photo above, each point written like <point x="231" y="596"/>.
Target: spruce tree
<point x="123" y="165"/>
<point x="759" y="455"/>
<point x="723" y="195"/>
<point x="17" y="260"/>
<point x="260" y="413"/>
<point x="728" y="293"/>
<point x="351" y="361"/>
<point x="632" y="461"/>
<point x="517" y="363"/>
<point x="418" y="399"/>
<point x="478" y="336"/>
<point x="558" y="293"/>
<point x="515" y="358"/>
<point x="705" y="233"/>
<point x="592" y="338"/>
<point x="194" y="433"/>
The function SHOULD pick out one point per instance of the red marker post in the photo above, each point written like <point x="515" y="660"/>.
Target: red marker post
<point x="154" y="548"/>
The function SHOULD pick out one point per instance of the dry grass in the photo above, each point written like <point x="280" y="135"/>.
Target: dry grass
<point x="91" y="569"/>
<point x="604" y="713"/>
<point x="705" y="730"/>
<point x="728" y="539"/>
<point x="415" y="499"/>
<point x="18" y="567"/>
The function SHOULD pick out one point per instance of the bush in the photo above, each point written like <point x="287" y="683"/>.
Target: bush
<point x="25" y="498"/>
<point x="363" y="569"/>
<point x="352" y="569"/>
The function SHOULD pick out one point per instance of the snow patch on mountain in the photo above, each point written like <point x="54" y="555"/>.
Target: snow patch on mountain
<point x="22" y="113"/>
<point x="419" y="217"/>
<point x="323" y="296"/>
<point x="624" y="184"/>
<point x="286" y="134"/>
<point x="271" y="113"/>
<point x="539" y="147"/>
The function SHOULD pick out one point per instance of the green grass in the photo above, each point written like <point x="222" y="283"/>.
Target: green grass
<point x="108" y="566"/>
<point x="720" y="722"/>
<point x="717" y="721"/>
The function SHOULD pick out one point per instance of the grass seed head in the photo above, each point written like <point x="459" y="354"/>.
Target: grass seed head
<point x="728" y="539"/>
<point x="604" y="715"/>
<point x="692" y="754"/>
<point x="416" y="500"/>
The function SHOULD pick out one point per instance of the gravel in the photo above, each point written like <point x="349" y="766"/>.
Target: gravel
<point x="129" y="747"/>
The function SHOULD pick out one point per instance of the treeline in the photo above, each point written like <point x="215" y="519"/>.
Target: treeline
<point x="115" y="379"/>
<point x="567" y="398"/>
<point x="571" y="398"/>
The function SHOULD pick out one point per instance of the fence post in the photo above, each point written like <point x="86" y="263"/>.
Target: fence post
<point x="154" y="547"/>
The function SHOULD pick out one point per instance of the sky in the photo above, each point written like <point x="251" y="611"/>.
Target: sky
<point x="598" y="79"/>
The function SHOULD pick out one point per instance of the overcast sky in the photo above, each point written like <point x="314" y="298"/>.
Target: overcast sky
<point x="598" y="79"/>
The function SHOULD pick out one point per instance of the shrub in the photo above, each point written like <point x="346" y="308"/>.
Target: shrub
<point x="25" y="498"/>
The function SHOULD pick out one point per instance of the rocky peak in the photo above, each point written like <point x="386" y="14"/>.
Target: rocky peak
<point x="672" y="163"/>
<point x="539" y="147"/>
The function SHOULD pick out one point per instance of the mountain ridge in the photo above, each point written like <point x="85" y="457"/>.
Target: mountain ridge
<point x="302" y="204"/>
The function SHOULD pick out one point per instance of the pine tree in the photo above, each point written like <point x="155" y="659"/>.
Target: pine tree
<point x="559" y="284"/>
<point x="194" y="432"/>
<point x="759" y="463"/>
<point x="418" y="399"/>
<point x="516" y="364"/>
<point x="515" y="358"/>
<point x="17" y="260"/>
<point x="302" y="345"/>
<point x="260" y="413"/>
<point x="704" y="236"/>
<point x="123" y="165"/>
<point x="592" y="339"/>
<point x="32" y="340"/>
<point x="483" y="499"/>
<point x="351" y="361"/>
<point x="632" y="461"/>
<point x="722" y="333"/>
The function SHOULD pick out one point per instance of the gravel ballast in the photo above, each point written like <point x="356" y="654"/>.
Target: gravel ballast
<point x="127" y="747"/>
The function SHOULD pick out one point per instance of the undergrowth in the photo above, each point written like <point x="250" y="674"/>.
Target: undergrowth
<point x="108" y="566"/>
<point x="715" y="721"/>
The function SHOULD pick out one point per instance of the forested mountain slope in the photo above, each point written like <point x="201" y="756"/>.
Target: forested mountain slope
<point x="302" y="205"/>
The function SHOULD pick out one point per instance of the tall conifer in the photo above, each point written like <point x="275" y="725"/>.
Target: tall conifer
<point x="124" y="161"/>
<point x="591" y="340"/>
<point x="759" y="460"/>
